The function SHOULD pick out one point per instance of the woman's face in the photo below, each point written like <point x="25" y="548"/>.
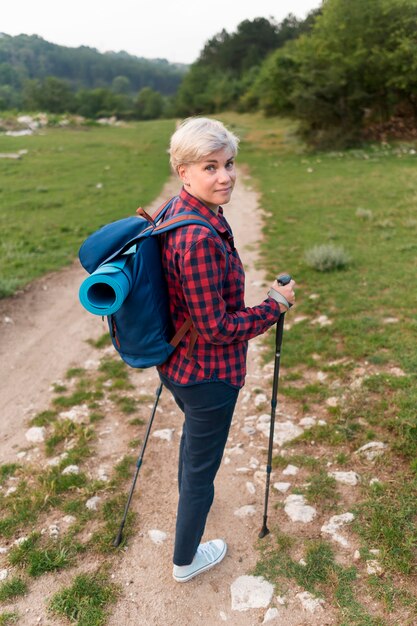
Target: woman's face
<point x="212" y="179"/>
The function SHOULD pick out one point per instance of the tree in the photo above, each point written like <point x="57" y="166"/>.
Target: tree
<point x="357" y="65"/>
<point x="149" y="104"/>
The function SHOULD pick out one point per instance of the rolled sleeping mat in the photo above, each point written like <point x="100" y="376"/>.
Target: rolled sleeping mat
<point x="105" y="290"/>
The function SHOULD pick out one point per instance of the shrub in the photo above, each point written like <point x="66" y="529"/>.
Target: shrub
<point x="326" y="258"/>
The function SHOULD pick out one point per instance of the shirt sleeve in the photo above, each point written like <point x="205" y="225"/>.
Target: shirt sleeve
<point x="202" y="275"/>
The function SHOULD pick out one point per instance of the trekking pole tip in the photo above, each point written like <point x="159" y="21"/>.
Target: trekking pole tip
<point x="118" y="540"/>
<point x="263" y="532"/>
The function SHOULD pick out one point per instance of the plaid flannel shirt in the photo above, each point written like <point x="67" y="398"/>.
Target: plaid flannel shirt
<point x="204" y="285"/>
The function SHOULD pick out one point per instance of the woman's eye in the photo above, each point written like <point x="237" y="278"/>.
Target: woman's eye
<point x="210" y="168"/>
<point x="230" y="165"/>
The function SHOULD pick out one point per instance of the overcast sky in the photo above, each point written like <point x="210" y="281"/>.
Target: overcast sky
<point x="172" y="29"/>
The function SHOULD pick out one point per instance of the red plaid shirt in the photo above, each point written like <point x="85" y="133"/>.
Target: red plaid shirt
<point x="204" y="285"/>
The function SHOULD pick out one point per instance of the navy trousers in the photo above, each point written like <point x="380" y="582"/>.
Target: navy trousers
<point x="208" y="410"/>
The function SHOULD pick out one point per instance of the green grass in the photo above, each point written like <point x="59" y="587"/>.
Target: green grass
<point x="10" y="589"/>
<point x="86" y="601"/>
<point x="9" y="617"/>
<point x="50" y="202"/>
<point x="361" y="201"/>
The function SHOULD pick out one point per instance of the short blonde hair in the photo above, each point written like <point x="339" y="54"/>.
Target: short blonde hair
<point x="196" y="138"/>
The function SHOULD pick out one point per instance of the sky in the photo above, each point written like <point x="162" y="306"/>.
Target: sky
<point x="175" y="30"/>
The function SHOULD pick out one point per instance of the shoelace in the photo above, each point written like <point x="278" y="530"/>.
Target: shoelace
<point x="208" y="550"/>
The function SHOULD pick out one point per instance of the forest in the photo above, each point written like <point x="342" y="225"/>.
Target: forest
<point x="347" y="72"/>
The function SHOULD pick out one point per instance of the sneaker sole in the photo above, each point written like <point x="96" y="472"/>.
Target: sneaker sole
<point x="184" y="579"/>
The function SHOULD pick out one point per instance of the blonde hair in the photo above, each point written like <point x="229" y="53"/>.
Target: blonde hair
<point x="196" y="138"/>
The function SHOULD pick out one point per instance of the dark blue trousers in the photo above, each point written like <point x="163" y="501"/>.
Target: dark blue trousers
<point x="208" y="410"/>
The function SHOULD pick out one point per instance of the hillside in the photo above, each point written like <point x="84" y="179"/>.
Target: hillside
<point x="30" y="57"/>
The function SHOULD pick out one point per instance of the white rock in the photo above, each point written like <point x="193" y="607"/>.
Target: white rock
<point x="19" y="541"/>
<point x="309" y="602"/>
<point x="53" y="530"/>
<point x="21" y="455"/>
<point x="223" y="616"/>
<point x="10" y="491"/>
<point x="250" y="487"/>
<point x="69" y="519"/>
<point x="76" y="414"/>
<point x="299" y="318"/>
<point x="281" y="600"/>
<point x="282" y="487"/>
<point x="36" y="434"/>
<point x="260" y="399"/>
<point x="242" y="470"/>
<point x="248" y="430"/>
<point x="334" y="524"/>
<point x="92" y="503"/>
<point x="271" y="614"/>
<point x="374" y="481"/>
<point x="253" y="462"/>
<point x="235" y="450"/>
<point x="165" y="434"/>
<point x="372" y="449"/>
<point x="283" y="432"/>
<point x="251" y="592"/>
<point x="346" y="478"/>
<point x="226" y="460"/>
<point x="91" y="364"/>
<point x="290" y="470"/>
<point x="356" y="555"/>
<point x="4" y="574"/>
<point x="71" y="469"/>
<point x="245" y="511"/>
<point x="322" y="320"/>
<point x="374" y="567"/>
<point x="321" y="376"/>
<point x="333" y="401"/>
<point x="307" y="422"/>
<point x="297" y="509"/>
<point x="157" y="536"/>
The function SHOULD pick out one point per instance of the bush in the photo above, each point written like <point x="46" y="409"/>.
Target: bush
<point x="326" y="258"/>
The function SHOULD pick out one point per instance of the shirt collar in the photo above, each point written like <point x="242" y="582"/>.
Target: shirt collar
<point x="194" y="204"/>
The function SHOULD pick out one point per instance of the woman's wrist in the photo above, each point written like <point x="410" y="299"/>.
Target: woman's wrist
<point x="284" y="305"/>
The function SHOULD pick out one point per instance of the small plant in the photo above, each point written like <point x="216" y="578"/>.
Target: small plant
<point x="12" y="588"/>
<point x="7" y="470"/>
<point x="85" y="602"/>
<point x="8" y="617"/>
<point x="365" y="214"/>
<point x="326" y="258"/>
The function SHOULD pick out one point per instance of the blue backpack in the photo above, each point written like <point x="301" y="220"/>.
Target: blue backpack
<point x="127" y="284"/>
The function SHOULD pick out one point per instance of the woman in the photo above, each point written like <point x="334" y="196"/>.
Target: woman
<point x="205" y="280"/>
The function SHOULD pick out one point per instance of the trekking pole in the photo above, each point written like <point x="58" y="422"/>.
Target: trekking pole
<point x="119" y="537"/>
<point x="283" y="279"/>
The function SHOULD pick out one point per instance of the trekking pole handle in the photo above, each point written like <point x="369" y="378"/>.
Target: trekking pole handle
<point x="283" y="279"/>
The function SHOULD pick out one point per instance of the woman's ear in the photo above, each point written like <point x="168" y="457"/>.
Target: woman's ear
<point x="182" y="173"/>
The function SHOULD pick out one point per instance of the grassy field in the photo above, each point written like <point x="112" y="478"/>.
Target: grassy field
<point x="357" y="366"/>
<point x="349" y="354"/>
<point x="69" y="183"/>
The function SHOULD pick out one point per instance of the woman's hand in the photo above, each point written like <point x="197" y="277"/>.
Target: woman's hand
<point x="285" y="290"/>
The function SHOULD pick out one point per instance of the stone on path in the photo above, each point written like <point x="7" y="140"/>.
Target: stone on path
<point x="260" y="399"/>
<point x="4" y="574"/>
<point x="157" y="536"/>
<point x="245" y="511"/>
<point x="282" y="487"/>
<point x="71" y="469"/>
<point x="250" y="487"/>
<point x="283" y="432"/>
<point x="251" y="592"/>
<point x="290" y="470"/>
<point x="309" y="602"/>
<point x="334" y="524"/>
<point x="372" y="449"/>
<point x="165" y="434"/>
<point x="92" y="503"/>
<point x="271" y="614"/>
<point x="307" y="422"/>
<point x="346" y="478"/>
<point x="297" y="509"/>
<point x="36" y="434"/>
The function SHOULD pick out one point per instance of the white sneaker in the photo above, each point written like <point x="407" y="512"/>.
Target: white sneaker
<point x="207" y="556"/>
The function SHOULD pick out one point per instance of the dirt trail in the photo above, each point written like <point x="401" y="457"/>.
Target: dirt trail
<point x="46" y="336"/>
